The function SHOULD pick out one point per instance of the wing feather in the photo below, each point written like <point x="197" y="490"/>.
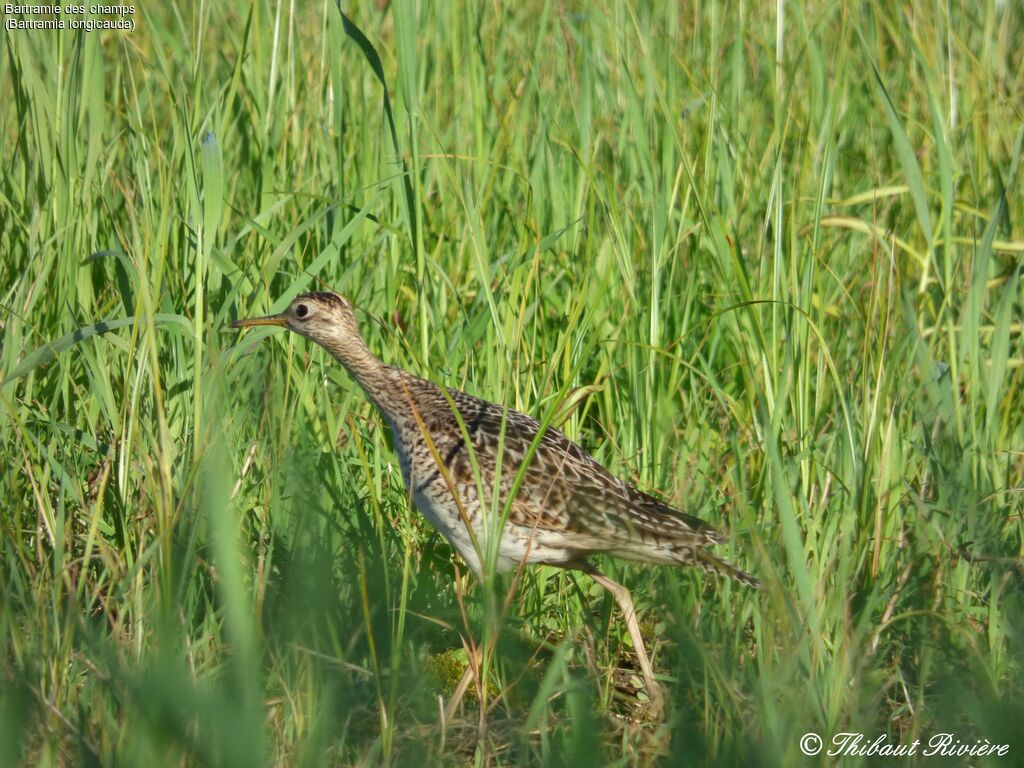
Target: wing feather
<point x="564" y="487"/>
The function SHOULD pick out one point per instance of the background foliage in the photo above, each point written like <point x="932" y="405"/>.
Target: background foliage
<point x="767" y="259"/>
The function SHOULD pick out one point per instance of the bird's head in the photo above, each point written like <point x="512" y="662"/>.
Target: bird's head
<point x="323" y="317"/>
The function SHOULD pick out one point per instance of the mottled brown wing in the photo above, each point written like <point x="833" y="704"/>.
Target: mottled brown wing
<point x="563" y="487"/>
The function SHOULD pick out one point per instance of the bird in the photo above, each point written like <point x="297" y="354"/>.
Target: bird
<point x="557" y="505"/>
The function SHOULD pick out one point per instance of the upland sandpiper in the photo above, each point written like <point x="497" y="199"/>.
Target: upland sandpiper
<point x="567" y="507"/>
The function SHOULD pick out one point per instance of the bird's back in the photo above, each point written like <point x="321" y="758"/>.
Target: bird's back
<point x="558" y="504"/>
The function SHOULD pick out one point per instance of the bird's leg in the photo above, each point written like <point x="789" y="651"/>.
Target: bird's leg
<point x="625" y="602"/>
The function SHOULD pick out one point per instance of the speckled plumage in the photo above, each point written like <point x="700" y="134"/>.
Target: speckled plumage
<point x="567" y="507"/>
<point x="559" y="509"/>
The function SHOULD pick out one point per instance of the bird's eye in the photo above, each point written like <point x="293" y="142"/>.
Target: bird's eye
<point x="301" y="311"/>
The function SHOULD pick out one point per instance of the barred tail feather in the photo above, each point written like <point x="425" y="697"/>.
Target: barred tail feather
<point x="714" y="564"/>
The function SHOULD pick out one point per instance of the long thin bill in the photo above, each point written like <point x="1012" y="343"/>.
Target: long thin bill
<point x="268" y="320"/>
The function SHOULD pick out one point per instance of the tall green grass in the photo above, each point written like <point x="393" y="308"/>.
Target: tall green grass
<point x="762" y="260"/>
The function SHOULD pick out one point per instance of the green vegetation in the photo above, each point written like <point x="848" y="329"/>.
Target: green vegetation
<point x="768" y="266"/>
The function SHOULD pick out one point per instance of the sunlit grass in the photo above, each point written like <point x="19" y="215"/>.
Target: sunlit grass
<point x="767" y="267"/>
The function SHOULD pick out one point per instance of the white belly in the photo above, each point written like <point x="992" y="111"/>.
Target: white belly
<point x="516" y="544"/>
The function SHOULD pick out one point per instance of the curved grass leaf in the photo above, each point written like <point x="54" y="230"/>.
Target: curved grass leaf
<point x="373" y="59"/>
<point x="907" y="157"/>
<point x="49" y="351"/>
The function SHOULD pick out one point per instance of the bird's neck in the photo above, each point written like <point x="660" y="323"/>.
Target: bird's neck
<point x="376" y="379"/>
